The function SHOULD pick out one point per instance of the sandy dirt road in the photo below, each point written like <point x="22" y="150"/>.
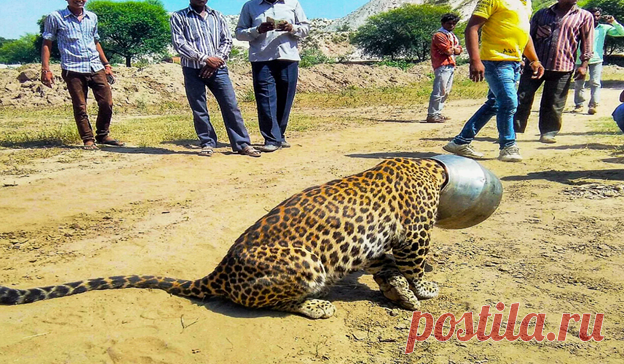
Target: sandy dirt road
<point x="555" y="245"/>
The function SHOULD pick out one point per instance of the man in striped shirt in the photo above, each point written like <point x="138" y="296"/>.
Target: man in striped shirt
<point x="83" y="65"/>
<point x="557" y="31"/>
<point x="201" y="36"/>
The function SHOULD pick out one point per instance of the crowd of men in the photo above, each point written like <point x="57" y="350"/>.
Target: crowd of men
<point x="518" y="54"/>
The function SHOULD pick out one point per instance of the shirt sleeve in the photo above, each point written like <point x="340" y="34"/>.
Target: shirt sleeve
<point x="442" y="44"/>
<point x="50" y="27"/>
<point x="301" y="28"/>
<point x="587" y="39"/>
<point x="245" y="30"/>
<point x="616" y="30"/>
<point x="180" y="44"/>
<point x="484" y="8"/>
<point x="225" y="39"/>
<point x="96" y="34"/>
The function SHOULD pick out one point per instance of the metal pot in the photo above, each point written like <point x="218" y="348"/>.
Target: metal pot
<point x="471" y="194"/>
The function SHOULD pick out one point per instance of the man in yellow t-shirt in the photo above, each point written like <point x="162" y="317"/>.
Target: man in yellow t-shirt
<point x="504" y="39"/>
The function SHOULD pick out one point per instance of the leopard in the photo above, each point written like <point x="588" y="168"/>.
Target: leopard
<point x="379" y="221"/>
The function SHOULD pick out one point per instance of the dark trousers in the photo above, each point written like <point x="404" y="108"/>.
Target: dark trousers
<point x="275" y="84"/>
<point x="554" y="96"/>
<point x="221" y="87"/>
<point x="78" y="85"/>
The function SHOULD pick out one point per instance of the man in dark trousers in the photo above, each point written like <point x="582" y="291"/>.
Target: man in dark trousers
<point x="201" y="36"/>
<point x="83" y="65"/>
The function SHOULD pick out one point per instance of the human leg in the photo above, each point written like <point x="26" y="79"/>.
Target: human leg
<point x="221" y="87"/>
<point x="286" y="87"/>
<point x="595" y="74"/>
<point x="556" y="87"/>
<point x="579" y="94"/>
<point x="502" y="81"/>
<point x="78" y="89"/>
<point x="104" y="97"/>
<point x="195" y="88"/>
<point x="526" y="93"/>
<point x="266" y="102"/>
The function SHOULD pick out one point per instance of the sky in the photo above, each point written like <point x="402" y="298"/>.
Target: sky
<point x="20" y="17"/>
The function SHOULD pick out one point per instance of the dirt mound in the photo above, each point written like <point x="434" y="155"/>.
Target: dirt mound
<point x="160" y="83"/>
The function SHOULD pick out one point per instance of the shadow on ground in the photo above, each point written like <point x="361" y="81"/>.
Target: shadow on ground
<point x="566" y="177"/>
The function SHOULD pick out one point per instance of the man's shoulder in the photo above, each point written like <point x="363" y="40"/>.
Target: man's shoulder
<point x="90" y="14"/>
<point x="58" y="13"/>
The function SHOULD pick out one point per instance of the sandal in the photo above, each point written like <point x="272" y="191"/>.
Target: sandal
<point x="206" y="152"/>
<point x="250" y="151"/>
<point x="91" y="146"/>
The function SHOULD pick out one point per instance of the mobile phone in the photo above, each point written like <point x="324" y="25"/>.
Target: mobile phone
<point x="110" y="79"/>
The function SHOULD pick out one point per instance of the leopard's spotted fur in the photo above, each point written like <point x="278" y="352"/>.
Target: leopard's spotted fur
<point x="379" y="220"/>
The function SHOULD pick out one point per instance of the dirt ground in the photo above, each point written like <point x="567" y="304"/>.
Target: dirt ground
<point x="555" y="245"/>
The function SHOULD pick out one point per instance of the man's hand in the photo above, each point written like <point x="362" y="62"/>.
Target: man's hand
<point x="214" y="62"/>
<point x="457" y="51"/>
<point x="285" y="26"/>
<point x="47" y="78"/>
<point x="580" y="73"/>
<point x="609" y="19"/>
<point x="108" y="70"/>
<point x="538" y="69"/>
<point x="477" y="71"/>
<point x="207" y="71"/>
<point x="265" y="27"/>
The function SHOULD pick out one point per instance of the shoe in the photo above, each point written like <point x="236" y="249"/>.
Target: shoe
<point x="268" y="148"/>
<point x="578" y="108"/>
<point x="445" y="117"/>
<point x="435" y="119"/>
<point x="510" y="154"/>
<point x="464" y="150"/>
<point x="206" y="151"/>
<point x="250" y="151"/>
<point x="285" y="144"/>
<point x="592" y="110"/>
<point x="548" y="139"/>
<point x="110" y="141"/>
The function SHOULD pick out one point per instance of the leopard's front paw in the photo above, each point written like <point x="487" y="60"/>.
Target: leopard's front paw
<point x="397" y="289"/>
<point x="424" y="289"/>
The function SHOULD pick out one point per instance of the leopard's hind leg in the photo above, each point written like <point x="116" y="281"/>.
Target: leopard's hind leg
<point x="309" y="307"/>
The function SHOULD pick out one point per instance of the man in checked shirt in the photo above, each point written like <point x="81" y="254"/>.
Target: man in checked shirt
<point x="83" y="65"/>
<point x="201" y="36"/>
<point x="557" y="32"/>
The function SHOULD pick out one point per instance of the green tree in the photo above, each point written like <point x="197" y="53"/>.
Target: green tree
<point x="21" y="50"/>
<point x="404" y="32"/>
<point x="615" y="8"/>
<point x="132" y="28"/>
<point x="4" y="40"/>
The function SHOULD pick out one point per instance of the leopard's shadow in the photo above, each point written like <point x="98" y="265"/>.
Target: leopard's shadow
<point x="348" y="289"/>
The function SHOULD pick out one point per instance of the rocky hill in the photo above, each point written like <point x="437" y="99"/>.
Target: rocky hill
<point x="373" y="7"/>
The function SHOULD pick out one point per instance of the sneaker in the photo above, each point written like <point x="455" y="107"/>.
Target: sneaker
<point x="268" y="148"/>
<point x="435" y="119"/>
<point x="592" y="110"/>
<point x="548" y="139"/>
<point x="510" y="154"/>
<point x="578" y="108"/>
<point x="464" y="150"/>
<point x="285" y="144"/>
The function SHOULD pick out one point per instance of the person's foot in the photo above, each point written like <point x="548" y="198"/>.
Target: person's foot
<point x="548" y="139"/>
<point x="285" y="144"/>
<point x="206" y="151"/>
<point x="445" y="117"/>
<point x="250" y="151"/>
<point x="592" y="110"/>
<point x="90" y="145"/>
<point x="435" y="119"/>
<point x="463" y="150"/>
<point x="268" y="148"/>
<point x="578" y="109"/>
<point x="107" y="140"/>
<point x="510" y="154"/>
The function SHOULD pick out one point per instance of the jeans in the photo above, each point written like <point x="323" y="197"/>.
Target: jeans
<point x="554" y="96"/>
<point x="595" y="73"/>
<point x="78" y="86"/>
<point x="441" y="88"/>
<point x="275" y="84"/>
<point x="502" y="101"/>
<point x="221" y="87"/>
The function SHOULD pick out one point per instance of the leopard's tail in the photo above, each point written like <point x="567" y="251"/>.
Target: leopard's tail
<point x="179" y="287"/>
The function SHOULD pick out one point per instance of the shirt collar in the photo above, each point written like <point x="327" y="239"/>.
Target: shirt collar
<point x="264" y="1"/>
<point x="574" y="9"/>
<point x="68" y="13"/>
<point x="191" y="10"/>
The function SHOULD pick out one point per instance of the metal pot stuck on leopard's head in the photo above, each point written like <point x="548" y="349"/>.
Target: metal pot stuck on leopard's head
<point x="471" y="194"/>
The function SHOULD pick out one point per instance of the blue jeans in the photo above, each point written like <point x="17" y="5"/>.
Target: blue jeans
<point x="502" y="101"/>
<point x="221" y="87"/>
<point x="441" y="88"/>
<point x="595" y="73"/>
<point x="275" y="84"/>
